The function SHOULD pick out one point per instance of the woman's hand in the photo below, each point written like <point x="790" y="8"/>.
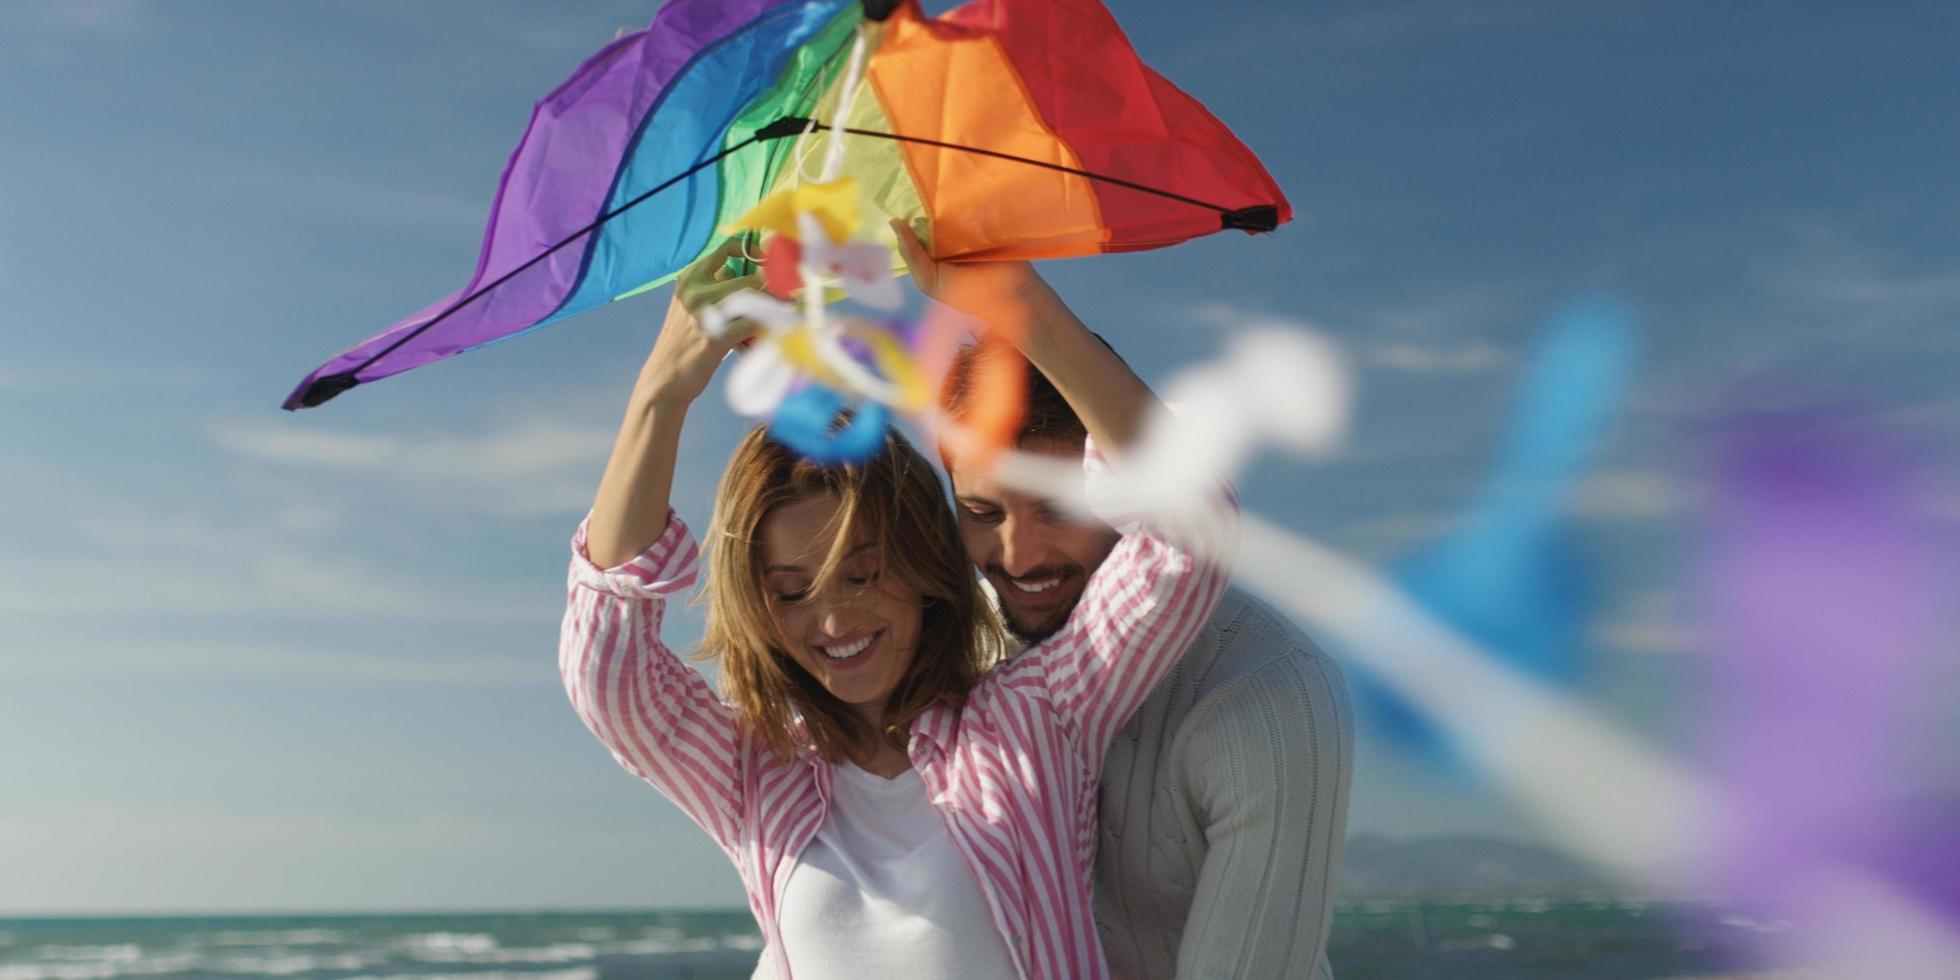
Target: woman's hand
<point x="684" y="358"/>
<point x="709" y="281"/>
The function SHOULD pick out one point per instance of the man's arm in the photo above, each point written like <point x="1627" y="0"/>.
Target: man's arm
<point x="1016" y="303"/>
<point x="1266" y="764"/>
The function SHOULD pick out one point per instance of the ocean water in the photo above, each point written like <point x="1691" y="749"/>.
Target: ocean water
<point x="1370" y="940"/>
<point x="503" y="946"/>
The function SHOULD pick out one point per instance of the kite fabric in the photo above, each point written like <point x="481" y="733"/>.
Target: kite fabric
<point x="1003" y="129"/>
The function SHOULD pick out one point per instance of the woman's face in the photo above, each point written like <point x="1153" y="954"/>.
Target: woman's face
<point x="858" y="636"/>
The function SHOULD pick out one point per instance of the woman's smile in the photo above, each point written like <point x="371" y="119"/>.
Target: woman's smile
<point x="852" y="652"/>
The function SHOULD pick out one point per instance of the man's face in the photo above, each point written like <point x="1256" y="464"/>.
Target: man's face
<point x="1037" y="557"/>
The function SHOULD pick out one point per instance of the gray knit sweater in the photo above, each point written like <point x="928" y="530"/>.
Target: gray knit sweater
<point x="1224" y="804"/>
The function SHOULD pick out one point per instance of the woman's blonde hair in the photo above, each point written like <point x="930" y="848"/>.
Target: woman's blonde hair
<point x="893" y="501"/>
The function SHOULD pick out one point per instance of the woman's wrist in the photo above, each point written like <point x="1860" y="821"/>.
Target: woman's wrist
<point x="667" y="380"/>
<point x="661" y="397"/>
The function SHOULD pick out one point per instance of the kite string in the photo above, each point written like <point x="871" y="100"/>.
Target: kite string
<point x="840" y="113"/>
<point x="846" y="100"/>
<point x="801" y="153"/>
<point x="813" y="289"/>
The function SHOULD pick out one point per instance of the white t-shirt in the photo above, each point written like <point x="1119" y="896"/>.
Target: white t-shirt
<point x="882" y="892"/>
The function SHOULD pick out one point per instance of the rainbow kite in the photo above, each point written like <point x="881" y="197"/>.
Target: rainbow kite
<point x="1004" y="129"/>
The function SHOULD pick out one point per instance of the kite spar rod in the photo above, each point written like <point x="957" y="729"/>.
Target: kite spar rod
<point x="1260" y="217"/>
<point x="327" y="386"/>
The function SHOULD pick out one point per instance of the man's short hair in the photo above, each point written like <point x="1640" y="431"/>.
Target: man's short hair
<point x="1047" y="415"/>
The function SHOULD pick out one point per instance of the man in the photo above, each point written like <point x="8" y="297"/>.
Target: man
<point x="1224" y="799"/>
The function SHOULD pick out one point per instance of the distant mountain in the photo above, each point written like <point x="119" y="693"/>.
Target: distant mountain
<point x="1374" y="866"/>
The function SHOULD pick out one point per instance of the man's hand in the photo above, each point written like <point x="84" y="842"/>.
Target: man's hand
<point x="1016" y="303"/>
<point x="996" y="292"/>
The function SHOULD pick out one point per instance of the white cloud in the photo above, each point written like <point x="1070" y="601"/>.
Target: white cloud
<point x="159" y="542"/>
<point x="49" y="377"/>
<point x="294" y="532"/>
<point x="269" y="442"/>
<point x="255" y="584"/>
<point x="1475" y="357"/>
<point x="1940" y="504"/>
<point x="354" y="200"/>
<point x="525" y="450"/>
<point x="548" y="30"/>
<point x="573" y="30"/>
<point x="123" y="660"/>
<point x="1447" y="310"/>
<point x="63" y="33"/>
<point x="1428" y="19"/>
<point x="1651" y="622"/>
<point x="1845" y="278"/>
<point x="154" y="858"/>
<point x="1628" y="495"/>
<point x="85" y="18"/>
<point x="9" y="283"/>
<point x="532" y="468"/>
<point x="1232" y="317"/>
<point x="1409" y="350"/>
<point x="1282" y="34"/>
<point x="1861" y="287"/>
<point x="1833" y="263"/>
<point x="1218" y="313"/>
<point x="1394" y="535"/>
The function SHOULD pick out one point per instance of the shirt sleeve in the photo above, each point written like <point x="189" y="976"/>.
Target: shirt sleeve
<point x="659" y="718"/>
<point x="1266" y="766"/>
<point x="1139" y="611"/>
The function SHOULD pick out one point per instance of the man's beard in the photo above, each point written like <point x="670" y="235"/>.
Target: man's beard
<point x="1041" y="632"/>
<point x="1031" y="635"/>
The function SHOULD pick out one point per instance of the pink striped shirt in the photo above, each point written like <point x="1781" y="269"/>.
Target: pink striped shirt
<point x="1013" y="773"/>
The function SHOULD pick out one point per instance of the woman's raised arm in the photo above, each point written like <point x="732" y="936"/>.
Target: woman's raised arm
<point x="630" y="511"/>
<point x="657" y="715"/>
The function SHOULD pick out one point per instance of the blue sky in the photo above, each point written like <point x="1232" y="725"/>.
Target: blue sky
<point x="253" y="660"/>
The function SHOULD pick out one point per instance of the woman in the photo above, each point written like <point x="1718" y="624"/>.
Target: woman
<point x="892" y="810"/>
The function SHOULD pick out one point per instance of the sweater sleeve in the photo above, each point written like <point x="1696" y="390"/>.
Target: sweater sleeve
<point x="1266" y="767"/>
<point x="658" y="717"/>
<point x="1139" y="611"/>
